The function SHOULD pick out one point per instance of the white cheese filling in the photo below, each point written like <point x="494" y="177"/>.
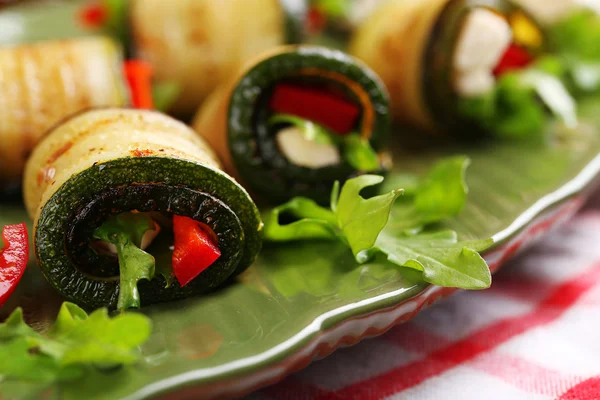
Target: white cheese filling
<point x="484" y="38"/>
<point x="305" y="152"/>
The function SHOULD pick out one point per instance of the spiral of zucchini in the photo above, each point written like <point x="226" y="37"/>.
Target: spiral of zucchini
<point x="414" y="46"/>
<point x="104" y="162"/>
<point x="237" y="121"/>
<point x="42" y="83"/>
<point x="201" y="43"/>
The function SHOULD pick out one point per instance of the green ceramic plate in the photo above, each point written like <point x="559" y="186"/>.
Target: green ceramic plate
<point x="304" y="300"/>
<point x="301" y="301"/>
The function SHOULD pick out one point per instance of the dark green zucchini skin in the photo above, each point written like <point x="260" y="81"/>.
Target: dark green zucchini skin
<point x="145" y="184"/>
<point x="257" y="160"/>
<point x="440" y="96"/>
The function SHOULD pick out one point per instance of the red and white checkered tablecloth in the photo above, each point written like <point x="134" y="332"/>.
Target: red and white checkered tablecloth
<point x="534" y="335"/>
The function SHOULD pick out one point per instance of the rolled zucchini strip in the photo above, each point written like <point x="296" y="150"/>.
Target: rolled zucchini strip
<point x="434" y="54"/>
<point x="198" y="44"/>
<point x="297" y="119"/>
<point x="42" y="83"/>
<point x="106" y="162"/>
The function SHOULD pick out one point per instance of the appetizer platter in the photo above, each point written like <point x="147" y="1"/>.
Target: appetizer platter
<point x="306" y="198"/>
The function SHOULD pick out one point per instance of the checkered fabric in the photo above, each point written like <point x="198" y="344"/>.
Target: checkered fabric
<point x="534" y="335"/>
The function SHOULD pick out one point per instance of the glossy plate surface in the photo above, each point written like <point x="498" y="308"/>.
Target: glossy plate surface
<point x="298" y="297"/>
<point x="304" y="300"/>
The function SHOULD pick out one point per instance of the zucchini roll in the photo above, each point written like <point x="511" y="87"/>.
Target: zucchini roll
<point x="40" y="84"/>
<point x="198" y="44"/>
<point x="465" y="66"/>
<point x="297" y="119"/>
<point x="120" y="196"/>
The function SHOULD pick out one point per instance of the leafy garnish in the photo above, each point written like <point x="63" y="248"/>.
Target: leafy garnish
<point x="443" y="260"/>
<point x="578" y="36"/>
<point x="332" y="8"/>
<point x="125" y="231"/>
<point x="356" y="150"/>
<point x="515" y="108"/>
<point x="310" y="130"/>
<point x="443" y="192"/>
<point x="75" y="342"/>
<point x="117" y="22"/>
<point x="164" y="94"/>
<point x="554" y="95"/>
<point x="359" y="219"/>
<point x="359" y="153"/>
<point x="575" y="40"/>
<point x="363" y="225"/>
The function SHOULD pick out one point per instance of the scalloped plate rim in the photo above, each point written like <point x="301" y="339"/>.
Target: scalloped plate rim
<point x="243" y="368"/>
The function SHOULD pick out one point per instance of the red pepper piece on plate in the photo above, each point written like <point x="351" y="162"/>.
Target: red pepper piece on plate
<point x="13" y="258"/>
<point x="195" y="249"/>
<point x="515" y="57"/>
<point x="94" y="15"/>
<point x="327" y="109"/>
<point x="139" y="77"/>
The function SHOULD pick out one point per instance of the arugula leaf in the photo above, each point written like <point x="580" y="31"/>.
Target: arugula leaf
<point x="443" y="192"/>
<point x="363" y="225"/>
<point x="515" y="108"/>
<point x="315" y="222"/>
<point x="575" y="40"/>
<point x="443" y="260"/>
<point x="361" y="219"/>
<point x="359" y="153"/>
<point x="333" y="8"/>
<point x="125" y="231"/>
<point x="440" y="194"/>
<point x="117" y="24"/>
<point x="74" y="342"/>
<point x="310" y="130"/>
<point x="164" y="94"/>
<point x="578" y="36"/>
<point x="554" y="95"/>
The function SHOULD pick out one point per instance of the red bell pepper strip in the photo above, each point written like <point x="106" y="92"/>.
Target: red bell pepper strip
<point x="94" y="15"/>
<point x="139" y="77"/>
<point x="325" y="108"/>
<point x="195" y="249"/>
<point x="13" y="258"/>
<point x="315" y="20"/>
<point x="514" y="58"/>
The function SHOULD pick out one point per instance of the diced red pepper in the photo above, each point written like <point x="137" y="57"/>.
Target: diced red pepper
<point x="315" y="20"/>
<point x="325" y="108"/>
<point x="13" y="258"/>
<point x="515" y="57"/>
<point x="139" y="77"/>
<point x="94" y="15"/>
<point x="195" y="249"/>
